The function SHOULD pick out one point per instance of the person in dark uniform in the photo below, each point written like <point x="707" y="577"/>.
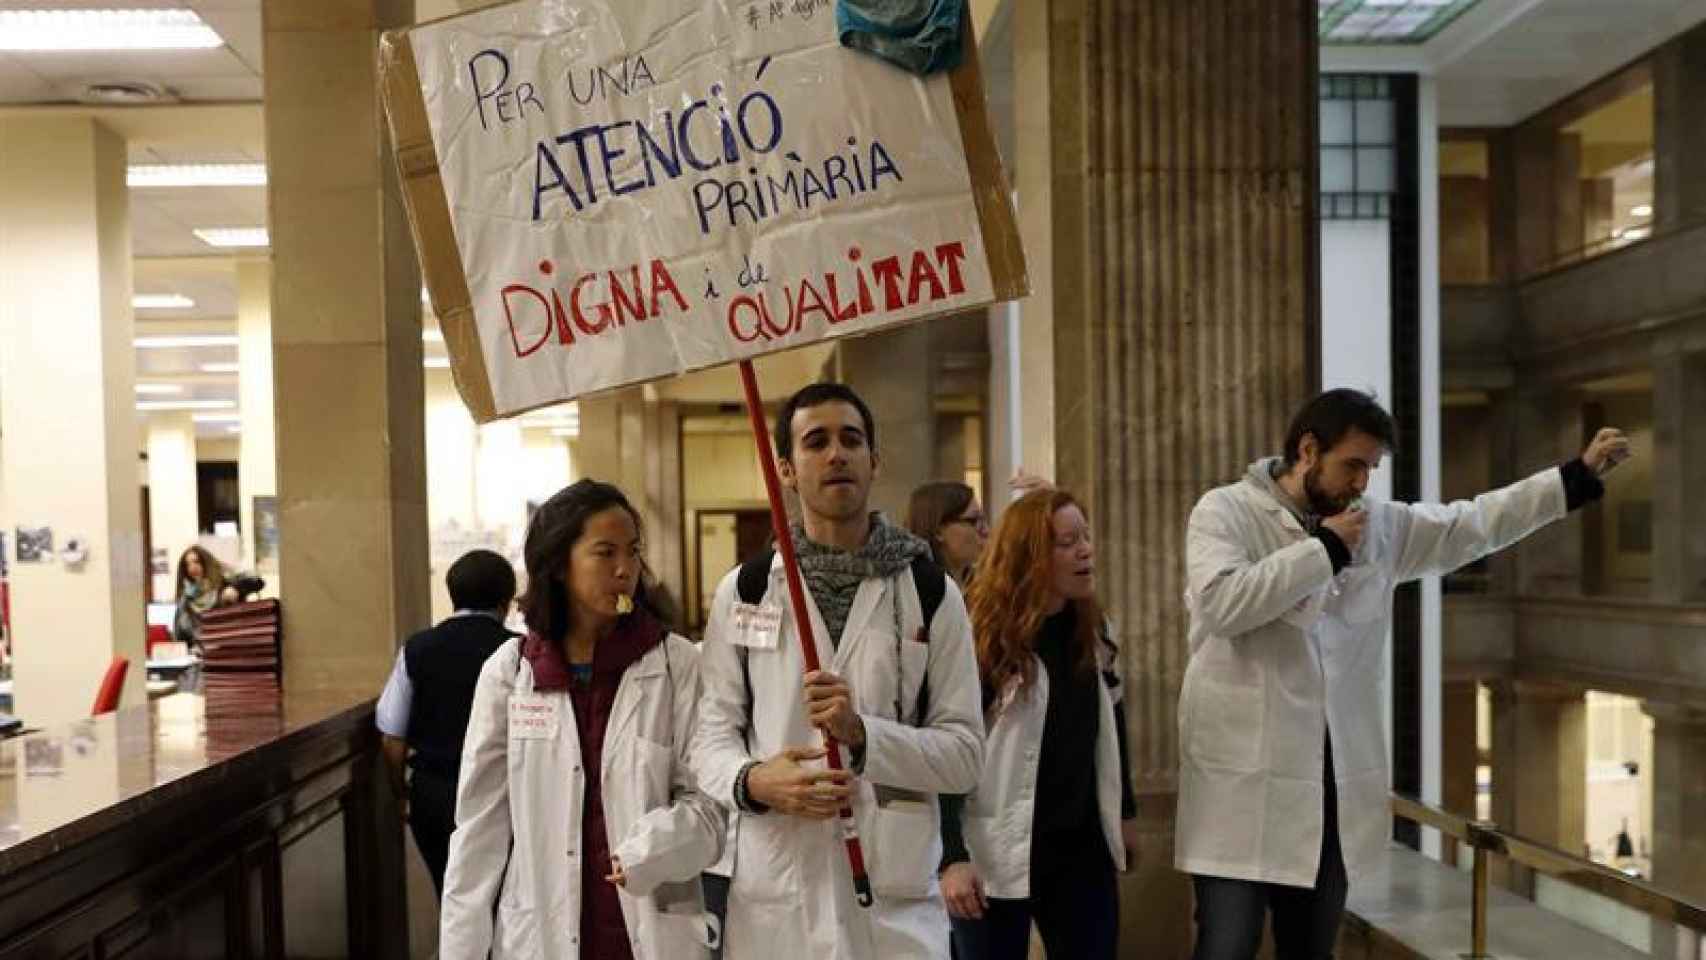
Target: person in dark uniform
<point x="423" y="713"/>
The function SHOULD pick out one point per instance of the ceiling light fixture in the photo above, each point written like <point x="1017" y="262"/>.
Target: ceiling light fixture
<point x="187" y="340"/>
<point x="51" y="31"/>
<point x="197" y="175"/>
<point x="158" y="389"/>
<point x="437" y="363"/>
<point x="219" y="368"/>
<point x="233" y="236"/>
<point x="157" y="406"/>
<point x="1641" y="210"/>
<point x="217" y="418"/>
<point x="161" y="301"/>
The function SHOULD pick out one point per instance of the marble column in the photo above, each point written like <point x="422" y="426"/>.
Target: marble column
<point x="1679" y="464"/>
<point x="1540" y="765"/>
<point x="173" y="504"/>
<point x="1550" y="428"/>
<point x="68" y="423"/>
<point x="346" y="336"/>
<point x="893" y="372"/>
<point x="1459" y="754"/>
<point x="1679" y="807"/>
<point x="1173" y="255"/>
<point x="1679" y="130"/>
<point x="257" y="465"/>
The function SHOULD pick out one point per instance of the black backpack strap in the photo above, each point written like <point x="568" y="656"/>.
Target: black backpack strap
<point x="931" y="582"/>
<point x="753" y="581"/>
<point x="751" y="584"/>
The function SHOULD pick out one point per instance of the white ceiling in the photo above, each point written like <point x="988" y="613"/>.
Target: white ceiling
<point x="211" y="114"/>
<point x="231" y="72"/>
<point x="1506" y="60"/>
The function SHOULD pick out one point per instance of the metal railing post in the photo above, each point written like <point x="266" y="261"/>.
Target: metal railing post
<point x="1478" y="907"/>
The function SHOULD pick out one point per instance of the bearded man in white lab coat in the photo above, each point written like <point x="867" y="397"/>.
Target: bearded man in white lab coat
<point x="792" y="893"/>
<point x="1284" y="779"/>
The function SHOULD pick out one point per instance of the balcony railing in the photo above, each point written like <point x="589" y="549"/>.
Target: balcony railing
<point x="1487" y="841"/>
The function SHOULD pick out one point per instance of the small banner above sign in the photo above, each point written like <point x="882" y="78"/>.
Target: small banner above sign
<point x="606" y="192"/>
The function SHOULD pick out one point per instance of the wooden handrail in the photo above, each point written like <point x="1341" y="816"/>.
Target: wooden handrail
<point x="1486" y="839"/>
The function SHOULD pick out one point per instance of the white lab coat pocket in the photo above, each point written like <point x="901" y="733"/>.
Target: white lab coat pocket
<point x="905" y="849"/>
<point x="766" y="857"/>
<point x="1226" y="721"/>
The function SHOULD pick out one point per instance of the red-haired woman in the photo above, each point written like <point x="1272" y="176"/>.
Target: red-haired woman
<point x="1052" y="818"/>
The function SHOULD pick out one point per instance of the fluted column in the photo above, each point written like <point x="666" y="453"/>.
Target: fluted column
<point x="1178" y="279"/>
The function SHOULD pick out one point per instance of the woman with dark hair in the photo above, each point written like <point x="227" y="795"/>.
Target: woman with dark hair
<point x="202" y="587"/>
<point x="1053" y="815"/>
<point x="946" y="515"/>
<point x="576" y="813"/>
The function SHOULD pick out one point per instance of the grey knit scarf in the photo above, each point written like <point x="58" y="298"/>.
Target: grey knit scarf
<point x="833" y="575"/>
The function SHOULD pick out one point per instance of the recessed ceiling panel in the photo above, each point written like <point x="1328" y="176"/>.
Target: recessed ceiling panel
<point x="1386" y="21"/>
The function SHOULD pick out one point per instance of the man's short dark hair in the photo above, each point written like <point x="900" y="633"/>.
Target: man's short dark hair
<point x="481" y="580"/>
<point x="1335" y="413"/>
<point x="816" y="395"/>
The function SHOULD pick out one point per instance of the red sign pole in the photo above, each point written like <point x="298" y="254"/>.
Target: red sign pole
<point x="797" y="596"/>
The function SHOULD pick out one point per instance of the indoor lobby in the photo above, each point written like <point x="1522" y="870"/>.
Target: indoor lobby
<point x="217" y="346"/>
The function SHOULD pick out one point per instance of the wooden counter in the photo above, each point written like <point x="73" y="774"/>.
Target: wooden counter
<point x="155" y="832"/>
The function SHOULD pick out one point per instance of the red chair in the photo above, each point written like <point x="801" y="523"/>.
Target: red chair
<point x="112" y="687"/>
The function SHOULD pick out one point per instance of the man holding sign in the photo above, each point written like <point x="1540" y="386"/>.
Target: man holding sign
<point x="899" y="691"/>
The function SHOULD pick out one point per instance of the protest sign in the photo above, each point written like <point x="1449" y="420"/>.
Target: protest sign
<point x="605" y="192"/>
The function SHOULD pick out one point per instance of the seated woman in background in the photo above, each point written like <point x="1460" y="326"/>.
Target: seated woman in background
<point x="202" y="586"/>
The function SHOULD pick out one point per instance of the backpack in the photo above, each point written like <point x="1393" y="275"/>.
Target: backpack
<point x="928" y="579"/>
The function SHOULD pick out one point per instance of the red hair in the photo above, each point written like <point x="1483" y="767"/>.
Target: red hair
<point x="1010" y="595"/>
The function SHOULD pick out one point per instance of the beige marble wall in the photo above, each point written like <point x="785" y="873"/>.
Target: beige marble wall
<point x="69" y="454"/>
<point x="346" y="350"/>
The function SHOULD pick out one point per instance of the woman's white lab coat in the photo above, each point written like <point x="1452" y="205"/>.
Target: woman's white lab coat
<point x="519" y="809"/>
<point x="1000" y="813"/>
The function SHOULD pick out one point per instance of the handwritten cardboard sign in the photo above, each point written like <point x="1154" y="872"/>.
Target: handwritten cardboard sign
<point x="605" y="192"/>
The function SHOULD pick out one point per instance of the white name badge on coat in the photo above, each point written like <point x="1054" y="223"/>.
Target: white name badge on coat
<point x="532" y="717"/>
<point x="756" y="626"/>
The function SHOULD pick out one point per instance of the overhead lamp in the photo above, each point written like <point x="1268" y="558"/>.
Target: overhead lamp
<point x="157" y="406"/>
<point x="161" y="301"/>
<point x="233" y="236"/>
<point x="436" y="363"/>
<point x="233" y="429"/>
<point x="158" y="389"/>
<point x="175" y="342"/>
<point x="197" y="175"/>
<point x="566" y="431"/>
<point x="219" y="368"/>
<point x="1641" y="210"/>
<point x="58" y="31"/>
<point x="217" y="418"/>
